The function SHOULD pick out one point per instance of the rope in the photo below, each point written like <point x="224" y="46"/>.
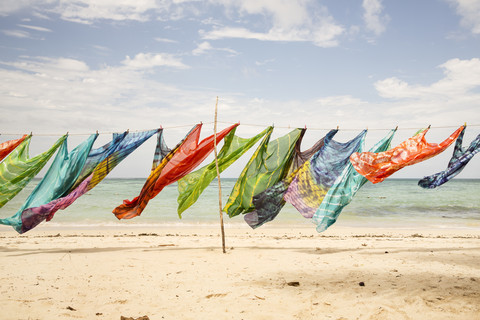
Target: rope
<point x="243" y="124"/>
<point x="103" y="132"/>
<point x="347" y="129"/>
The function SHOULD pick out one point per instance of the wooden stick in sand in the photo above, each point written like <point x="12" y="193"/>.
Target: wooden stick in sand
<point x="218" y="177"/>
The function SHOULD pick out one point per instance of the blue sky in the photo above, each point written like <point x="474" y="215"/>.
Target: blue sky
<point x="85" y="65"/>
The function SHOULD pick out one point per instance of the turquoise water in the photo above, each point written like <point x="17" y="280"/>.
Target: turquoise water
<point x="392" y="203"/>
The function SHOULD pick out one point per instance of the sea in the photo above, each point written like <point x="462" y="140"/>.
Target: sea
<point x="394" y="203"/>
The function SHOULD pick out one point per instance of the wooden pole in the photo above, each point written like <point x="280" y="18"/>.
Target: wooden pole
<point x="218" y="177"/>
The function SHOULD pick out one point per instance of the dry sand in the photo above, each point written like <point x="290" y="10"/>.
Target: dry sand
<point x="269" y="273"/>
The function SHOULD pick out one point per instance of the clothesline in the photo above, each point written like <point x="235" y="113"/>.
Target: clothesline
<point x="348" y="129"/>
<point x="242" y="124"/>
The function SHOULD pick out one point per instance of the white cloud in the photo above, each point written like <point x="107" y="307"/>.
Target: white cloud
<point x="264" y="62"/>
<point x="202" y="48"/>
<point x="149" y="60"/>
<point x="393" y="88"/>
<point x="67" y="93"/>
<point x="88" y="11"/>
<point x="469" y="10"/>
<point x="373" y="18"/>
<point x="41" y="15"/>
<point x="228" y="50"/>
<point x="284" y="13"/>
<point x="36" y="28"/>
<point x="58" y="69"/>
<point x="288" y="21"/>
<point x="205" y="47"/>
<point x="229" y="32"/>
<point x="61" y="94"/>
<point x="56" y="94"/>
<point x="325" y="37"/>
<point x="100" y="48"/>
<point x="461" y="76"/>
<point x="16" y="33"/>
<point x="165" y="40"/>
<point x="10" y="6"/>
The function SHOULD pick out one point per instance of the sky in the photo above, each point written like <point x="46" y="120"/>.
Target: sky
<point x="81" y="66"/>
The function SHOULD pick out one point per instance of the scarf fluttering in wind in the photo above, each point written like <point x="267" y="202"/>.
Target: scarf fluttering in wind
<point x="267" y="166"/>
<point x="459" y="160"/>
<point x="269" y="202"/>
<point x="344" y="189"/>
<point x="192" y="185"/>
<point x="184" y="158"/>
<point x="318" y="174"/>
<point x="376" y="167"/>
<point x="161" y="150"/>
<point x="59" y="178"/>
<point x="8" y="146"/>
<point x="99" y="164"/>
<point x="17" y="169"/>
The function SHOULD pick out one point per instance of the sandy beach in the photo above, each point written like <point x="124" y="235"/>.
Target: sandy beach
<point x="269" y="273"/>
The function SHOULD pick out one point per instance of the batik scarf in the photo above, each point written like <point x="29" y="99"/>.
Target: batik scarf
<point x="106" y="159"/>
<point x="192" y="185"/>
<point x="376" y="167"/>
<point x="59" y="178"/>
<point x="184" y="158"/>
<point x="268" y="165"/>
<point x="269" y="202"/>
<point x="460" y="158"/>
<point x="17" y="169"/>
<point x="318" y="174"/>
<point x="8" y="146"/>
<point x="344" y="189"/>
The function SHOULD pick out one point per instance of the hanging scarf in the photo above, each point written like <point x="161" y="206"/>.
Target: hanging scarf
<point x="317" y="175"/>
<point x="268" y="165"/>
<point x="106" y="159"/>
<point x="344" y="189"/>
<point x="161" y="150"/>
<point x="184" y="158"/>
<point x="8" y="146"/>
<point x="59" y="178"/>
<point x="459" y="160"/>
<point x="17" y="169"/>
<point x="192" y="185"/>
<point x="269" y="202"/>
<point x="376" y="167"/>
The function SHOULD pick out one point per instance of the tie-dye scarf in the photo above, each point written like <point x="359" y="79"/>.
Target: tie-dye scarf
<point x="59" y="178"/>
<point x="318" y="174"/>
<point x="184" y="158"/>
<point x="268" y="165"/>
<point x="376" y="167"/>
<point x="8" y="146"/>
<point x="344" y="189"/>
<point x="269" y="202"/>
<point x="103" y="161"/>
<point x="17" y="169"/>
<point x="459" y="160"/>
<point x="192" y="185"/>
